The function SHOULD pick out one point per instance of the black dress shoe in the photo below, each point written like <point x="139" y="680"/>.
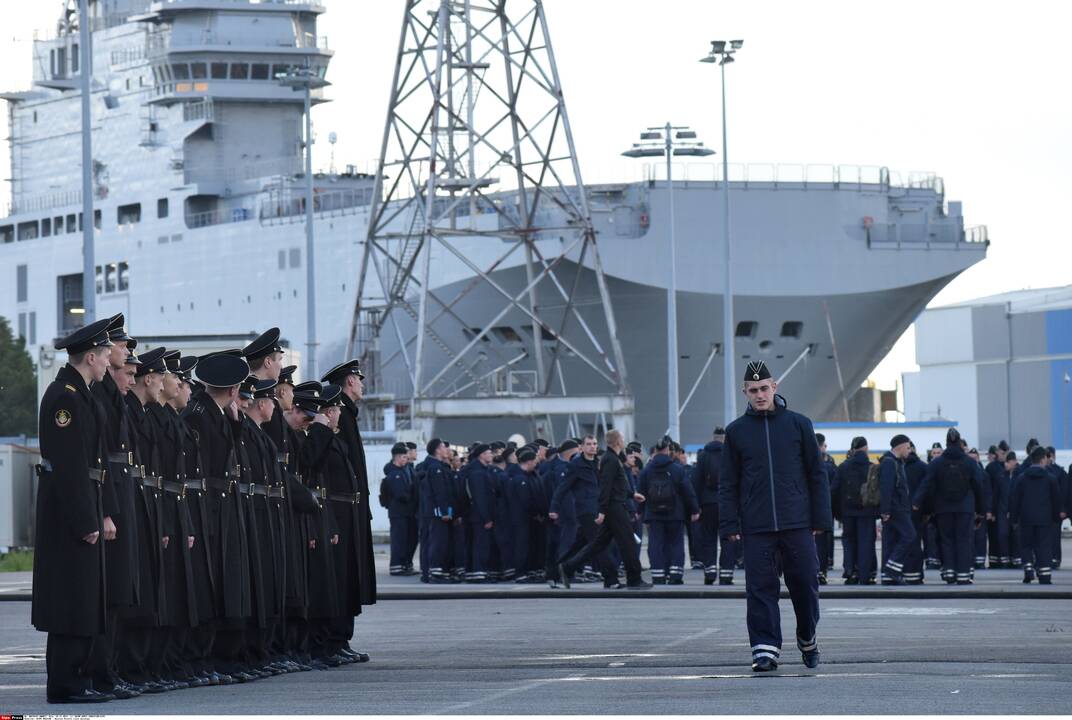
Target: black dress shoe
<point x="564" y="576"/>
<point x="725" y="581"/>
<point x="675" y="581"/>
<point x="810" y="658"/>
<point x="82" y="696"/>
<point x="709" y="580"/>
<point x="822" y="580"/>
<point x="122" y="692"/>
<point x="764" y="664"/>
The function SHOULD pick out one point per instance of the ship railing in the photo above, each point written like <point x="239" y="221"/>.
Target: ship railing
<point x="209" y="218"/>
<point x="896" y="236"/>
<point x="45" y="201"/>
<point x="332" y="203"/>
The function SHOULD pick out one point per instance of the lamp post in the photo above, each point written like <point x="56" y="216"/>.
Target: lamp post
<point x="85" y="70"/>
<point x="722" y="55"/>
<point x="668" y="141"/>
<point x="307" y="78"/>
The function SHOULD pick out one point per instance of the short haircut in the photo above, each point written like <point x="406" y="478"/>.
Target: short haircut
<point x="586" y="438"/>
<point x="257" y="363"/>
<point x="1038" y="454"/>
<point x="79" y="358"/>
<point x="820" y="438"/>
<point x="614" y="437"/>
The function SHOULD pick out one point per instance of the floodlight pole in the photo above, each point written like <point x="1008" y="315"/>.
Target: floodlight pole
<point x="673" y="403"/>
<point x="729" y="386"/>
<point x="85" y="67"/>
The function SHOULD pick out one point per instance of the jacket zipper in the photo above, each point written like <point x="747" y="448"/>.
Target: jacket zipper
<point x="770" y="467"/>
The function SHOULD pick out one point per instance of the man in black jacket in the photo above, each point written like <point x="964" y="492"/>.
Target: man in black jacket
<point x="613" y="518"/>
<point x="773" y="492"/>
<point x="705" y="482"/>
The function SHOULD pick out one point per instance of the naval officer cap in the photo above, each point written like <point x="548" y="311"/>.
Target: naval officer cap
<point x="152" y="362"/>
<point x="171" y="359"/>
<point x="117" y="330"/>
<point x="183" y="367"/>
<point x="222" y="369"/>
<point x="756" y="371"/>
<point x="331" y="396"/>
<point x="286" y="375"/>
<point x="247" y="386"/>
<point x="85" y="338"/>
<point x="308" y="386"/>
<point x="338" y="373"/>
<point x="264" y="389"/>
<point x="265" y="344"/>
<point x="308" y="402"/>
<point x="132" y="359"/>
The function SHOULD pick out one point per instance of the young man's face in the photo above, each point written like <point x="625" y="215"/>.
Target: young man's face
<point x="125" y="379"/>
<point x="590" y="447"/>
<point x="117" y="355"/>
<point x="760" y="394"/>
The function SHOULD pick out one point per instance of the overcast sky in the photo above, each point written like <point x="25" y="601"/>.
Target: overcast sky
<point x="975" y="91"/>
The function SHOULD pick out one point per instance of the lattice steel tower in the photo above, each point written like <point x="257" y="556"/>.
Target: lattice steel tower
<point x="480" y="225"/>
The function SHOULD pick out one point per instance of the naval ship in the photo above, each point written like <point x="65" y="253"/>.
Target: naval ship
<point x="199" y="217"/>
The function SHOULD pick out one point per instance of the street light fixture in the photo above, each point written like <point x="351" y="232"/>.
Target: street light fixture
<point x="307" y="78"/>
<point x="670" y="141"/>
<point x="722" y="56"/>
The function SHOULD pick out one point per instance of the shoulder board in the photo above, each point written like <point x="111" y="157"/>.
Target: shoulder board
<point x="72" y="388"/>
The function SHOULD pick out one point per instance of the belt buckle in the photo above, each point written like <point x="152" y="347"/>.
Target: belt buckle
<point x="130" y="457"/>
<point x="322" y="492"/>
<point x="252" y="489"/>
<point x="182" y="492"/>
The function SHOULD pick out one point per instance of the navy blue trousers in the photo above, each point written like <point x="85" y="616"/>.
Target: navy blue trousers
<point x="792" y="552"/>
<point x="913" y="562"/>
<point x="707" y="545"/>
<point x="858" y="538"/>
<point x="1036" y="548"/>
<point x="956" y="539"/>
<point x="482" y="540"/>
<point x="402" y="527"/>
<point x="979" y="538"/>
<point x="999" y="538"/>
<point x="666" y="549"/>
<point x="438" y="548"/>
<point x="898" y="535"/>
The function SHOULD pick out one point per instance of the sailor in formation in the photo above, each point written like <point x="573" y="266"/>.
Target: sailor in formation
<point x="200" y="520"/>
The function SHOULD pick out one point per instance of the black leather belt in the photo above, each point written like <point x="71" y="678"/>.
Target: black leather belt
<point x="137" y="472"/>
<point x="46" y="467"/>
<point x="176" y="487"/>
<point x="198" y="484"/>
<point x="152" y="481"/>
<point x="125" y="458"/>
<point x="324" y="494"/>
<point x="277" y="491"/>
<point x="220" y="484"/>
<point x="253" y="489"/>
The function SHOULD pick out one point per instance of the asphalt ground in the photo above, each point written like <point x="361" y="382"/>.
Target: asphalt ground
<point x="649" y="656"/>
<point x="991" y="648"/>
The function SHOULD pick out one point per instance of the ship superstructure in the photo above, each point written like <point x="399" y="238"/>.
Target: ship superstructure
<point x="198" y="190"/>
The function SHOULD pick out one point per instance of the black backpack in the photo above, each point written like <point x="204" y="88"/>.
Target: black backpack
<point x="709" y="468"/>
<point x="661" y="491"/>
<point x="955" y="481"/>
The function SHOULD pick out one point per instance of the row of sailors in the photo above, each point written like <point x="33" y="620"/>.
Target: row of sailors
<point x="200" y="521"/>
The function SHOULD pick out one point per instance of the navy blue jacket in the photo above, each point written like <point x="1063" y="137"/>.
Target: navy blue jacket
<point x="1036" y="498"/>
<point x="397" y="491"/>
<point x="555" y="477"/>
<point x="436" y="493"/>
<point x="851" y="472"/>
<point x="582" y="483"/>
<point x="684" y="494"/>
<point x="915" y="471"/>
<point x="999" y="487"/>
<point x="480" y="488"/>
<point x="705" y="474"/>
<point x="893" y="482"/>
<point x="772" y="478"/>
<point x="522" y="495"/>
<point x="929" y="496"/>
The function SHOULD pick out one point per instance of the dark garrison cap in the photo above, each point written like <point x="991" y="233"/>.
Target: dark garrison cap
<point x="756" y="371"/>
<point x="222" y="370"/>
<point x="340" y="371"/>
<point x="525" y="455"/>
<point x="479" y="449"/>
<point x="116" y="328"/>
<point x="859" y="442"/>
<point x="286" y="375"/>
<point x="399" y="448"/>
<point x="265" y="344"/>
<point x="85" y="338"/>
<point x="152" y="362"/>
<point x="567" y="445"/>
